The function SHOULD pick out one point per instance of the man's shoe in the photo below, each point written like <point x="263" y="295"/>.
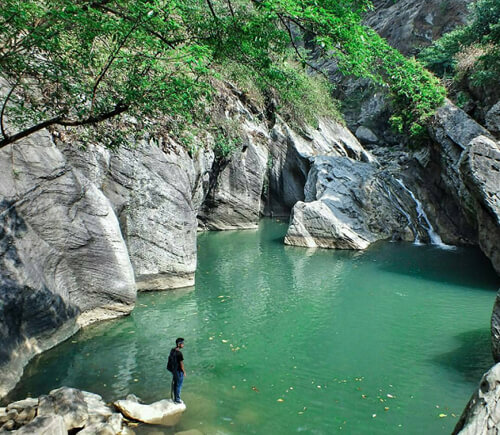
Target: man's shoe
<point x="178" y="402"/>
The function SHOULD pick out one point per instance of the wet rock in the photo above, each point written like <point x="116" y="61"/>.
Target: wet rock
<point x="495" y="329"/>
<point x="482" y="414"/>
<point x="7" y="414"/>
<point x="164" y="412"/>
<point x="68" y="403"/>
<point x="44" y="425"/>
<point x="26" y="415"/>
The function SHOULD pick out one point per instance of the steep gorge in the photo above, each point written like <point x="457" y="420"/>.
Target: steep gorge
<point x="83" y="228"/>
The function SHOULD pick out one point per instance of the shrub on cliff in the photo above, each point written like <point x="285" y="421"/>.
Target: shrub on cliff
<point x="471" y="51"/>
<point x="82" y="62"/>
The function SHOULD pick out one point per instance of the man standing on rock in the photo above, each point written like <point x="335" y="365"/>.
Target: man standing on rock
<point x="176" y="366"/>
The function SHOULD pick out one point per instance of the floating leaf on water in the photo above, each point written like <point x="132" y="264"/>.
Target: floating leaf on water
<point x="301" y="412"/>
<point x="363" y="396"/>
<point x="386" y="408"/>
<point x="136" y="380"/>
<point x="224" y="341"/>
<point x="255" y="389"/>
<point x="280" y="400"/>
<point x="390" y="396"/>
<point x="210" y="338"/>
<point x="374" y="415"/>
<point x="318" y="386"/>
<point x="442" y="415"/>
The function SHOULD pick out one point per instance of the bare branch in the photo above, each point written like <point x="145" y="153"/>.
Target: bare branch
<point x="212" y="11"/>
<point x="2" y="113"/>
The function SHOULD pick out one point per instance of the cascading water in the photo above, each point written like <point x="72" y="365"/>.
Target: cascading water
<point x="423" y="221"/>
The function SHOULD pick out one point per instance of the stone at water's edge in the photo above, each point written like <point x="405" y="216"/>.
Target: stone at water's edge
<point x="164" y="412"/>
<point x="482" y="414"/>
<point x="348" y="205"/>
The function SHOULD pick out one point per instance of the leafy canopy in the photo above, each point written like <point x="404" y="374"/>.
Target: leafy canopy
<point x="85" y="61"/>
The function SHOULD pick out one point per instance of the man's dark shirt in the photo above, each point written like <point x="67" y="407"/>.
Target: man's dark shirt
<point x="178" y="358"/>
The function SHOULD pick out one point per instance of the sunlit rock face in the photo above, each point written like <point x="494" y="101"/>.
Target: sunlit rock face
<point x="63" y="261"/>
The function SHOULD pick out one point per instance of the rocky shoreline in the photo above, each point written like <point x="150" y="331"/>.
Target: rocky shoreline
<point x="68" y="410"/>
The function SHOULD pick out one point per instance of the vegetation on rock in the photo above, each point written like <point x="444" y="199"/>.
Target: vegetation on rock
<point x="470" y="52"/>
<point x="82" y="62"/>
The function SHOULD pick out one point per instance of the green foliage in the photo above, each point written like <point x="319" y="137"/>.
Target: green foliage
<point x="472" y="50"/>
<point x="83" y="62"/>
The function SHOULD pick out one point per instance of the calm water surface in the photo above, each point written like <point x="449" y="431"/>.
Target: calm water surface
<point x="281" y="340"/>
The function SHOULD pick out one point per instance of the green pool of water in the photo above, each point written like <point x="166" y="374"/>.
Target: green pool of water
<point x="282" y="340"/>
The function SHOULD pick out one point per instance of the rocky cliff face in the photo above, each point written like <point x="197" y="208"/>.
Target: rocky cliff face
<point x="63" y="261"/>
<point x="470" y="170"/>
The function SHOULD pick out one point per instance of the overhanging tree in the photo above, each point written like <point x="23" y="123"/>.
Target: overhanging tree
<point x="81" y="62"/>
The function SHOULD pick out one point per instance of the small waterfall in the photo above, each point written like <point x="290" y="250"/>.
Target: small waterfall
<point x="423" y="221"/>
<point x="396" y="203"/>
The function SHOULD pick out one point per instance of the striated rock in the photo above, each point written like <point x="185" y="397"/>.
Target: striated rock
<point x="44" y="425"/>
<point x="408" y="25"/>
<point x="22" y="404"/>
<point x="151" y="188"/>
<point x="348" y="205"/>
<point x="495" y="329"/>
<point x="63" y="262"/>
<point x="234" y="200"/>
<point x="470" y="171"/>
<point x="482" y="414"/>
<point x="164" y="412"/>
<point x="290" y="159"/>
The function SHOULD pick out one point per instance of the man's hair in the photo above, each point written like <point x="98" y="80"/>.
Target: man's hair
<point x="179" y="340"/>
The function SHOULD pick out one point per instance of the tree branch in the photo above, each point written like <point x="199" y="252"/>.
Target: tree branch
<point x="59" y="120"/>
<point x="310" y="65"/>
<point x="2" y="114"/>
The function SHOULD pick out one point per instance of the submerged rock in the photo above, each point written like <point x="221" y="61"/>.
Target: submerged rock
<point x="482" y="414"/>
<point x="164" y="412"/>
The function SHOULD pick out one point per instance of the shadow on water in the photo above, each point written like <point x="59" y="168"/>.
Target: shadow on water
<point x="467" y="267"/>
<point x="472" y="358"/>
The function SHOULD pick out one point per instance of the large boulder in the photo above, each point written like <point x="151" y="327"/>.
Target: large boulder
<point x="290" y="159"/>
<point x="481" y="416"/>
<point x="164" y="412"/>
<point x="63" y="261"/>
<point x="67" y="402"/>
<point x="350" y="204"/>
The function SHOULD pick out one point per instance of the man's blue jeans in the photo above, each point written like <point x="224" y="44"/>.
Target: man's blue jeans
<point x="178" y="379"/>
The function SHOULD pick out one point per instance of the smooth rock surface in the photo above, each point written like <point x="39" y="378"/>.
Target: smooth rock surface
<point x="482" y="414"/>
<point x="164" y="412"/>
